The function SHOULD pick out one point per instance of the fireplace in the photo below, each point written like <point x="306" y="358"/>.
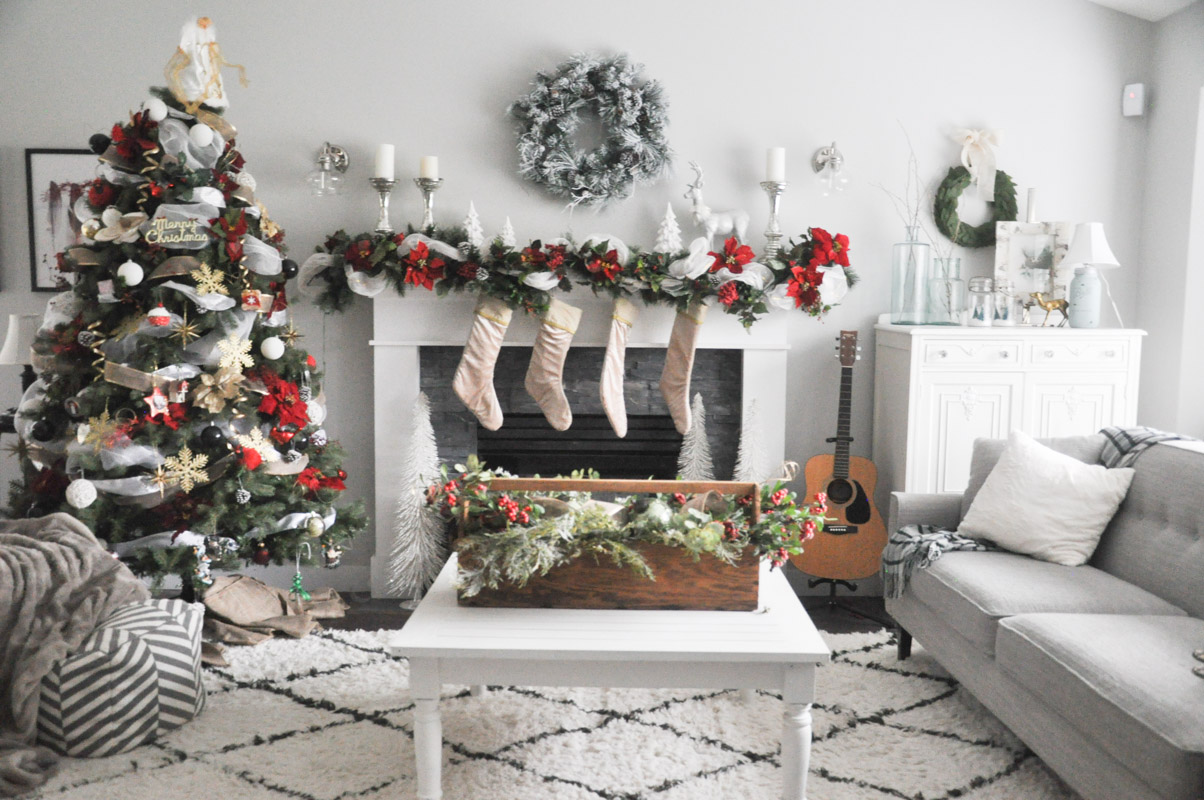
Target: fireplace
<point x="417" y="344"/>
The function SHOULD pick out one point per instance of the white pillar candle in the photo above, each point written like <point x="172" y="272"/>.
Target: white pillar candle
<point x="775" y="164"/>
<point x="428" y="167"/>
<point x="384" y="162"/>
<point x="1032" y="205"/>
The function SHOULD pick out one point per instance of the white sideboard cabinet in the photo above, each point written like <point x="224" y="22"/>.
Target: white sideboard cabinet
<point x="937" y="389"/>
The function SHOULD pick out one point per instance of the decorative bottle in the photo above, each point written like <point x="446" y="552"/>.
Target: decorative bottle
<point x="1006" y="303"/>
<point x="982" y="303"/>
<point x="1084" y="298"/>
<point x="946" y="293"/>
<point x="909" y="279"/>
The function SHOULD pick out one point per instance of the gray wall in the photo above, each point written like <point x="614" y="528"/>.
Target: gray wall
<point x="1171" y="292"/>
<point x="435" y="78"/>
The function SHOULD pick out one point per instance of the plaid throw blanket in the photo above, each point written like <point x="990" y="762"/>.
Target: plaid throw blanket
<point x="1124" y="445"/>
<point x="916" y="547"/>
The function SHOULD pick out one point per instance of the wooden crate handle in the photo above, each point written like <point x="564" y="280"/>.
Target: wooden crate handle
<point x="739" y="488"/>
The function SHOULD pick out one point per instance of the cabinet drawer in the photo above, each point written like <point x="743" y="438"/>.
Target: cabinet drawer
<point x="990" y="352"/>
<point x="1087" y="354"/>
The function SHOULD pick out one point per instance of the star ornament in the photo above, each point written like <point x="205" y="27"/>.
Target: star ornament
<point x="187" y="468"/>
<point x="157" y="401"/>
<point x="236" y="353"/>
<point x="186" y="331"/>
<point x="290" y="335"/>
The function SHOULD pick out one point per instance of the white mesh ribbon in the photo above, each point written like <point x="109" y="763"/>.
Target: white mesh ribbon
<point x="206" y="302"/>
<point x="208" y="194"/>
<point x="138" y="486"/>
<point x="611" y="242"/>
<point x="174" y="138"/>
<point x="779" y="299"/>
<point x="364" y="284"/>
<point x="291" y="522"/>
<point x="978" y="157"/>
<point x="694" y="264"/>
<point x="260" y="257"/>
<point x="442" y="248"/>
<point x="60" y="309"/>
<point x="204" y="351"/>
<point x="118" y="177"/>
<point x="754" y="274"/>
<point x="834" y="286"/>
<point x="544" y="281"/>
<point x="307" y="279"/>
<point x="159" y="541"/>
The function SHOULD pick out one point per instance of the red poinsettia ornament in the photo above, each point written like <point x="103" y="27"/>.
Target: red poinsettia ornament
<point x="733" y="257"/>
<point x="422" y="269"/>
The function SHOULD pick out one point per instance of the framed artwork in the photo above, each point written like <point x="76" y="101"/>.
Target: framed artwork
<point x="1029" y="254"/>
<point x="54" y="181"/>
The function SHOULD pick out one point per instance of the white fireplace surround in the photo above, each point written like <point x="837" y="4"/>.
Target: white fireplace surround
<point x="402" y="326"/>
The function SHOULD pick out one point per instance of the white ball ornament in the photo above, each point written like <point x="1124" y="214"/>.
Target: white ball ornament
<point x="131" y="272"/>
<point x="201" y="135"/>
<point x="272" y="348"/>
<point x="111" y="216"/>
<point x="81" y="493"/>
<point x="156" y="109"/>
<point x="315" y="527"/>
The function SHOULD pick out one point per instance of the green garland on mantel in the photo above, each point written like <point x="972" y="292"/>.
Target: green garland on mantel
<point x="945" y="208"/>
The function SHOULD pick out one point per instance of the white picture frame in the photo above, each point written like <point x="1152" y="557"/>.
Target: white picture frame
<point x="1030" y="255"/>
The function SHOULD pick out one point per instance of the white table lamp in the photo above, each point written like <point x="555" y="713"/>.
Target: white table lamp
<point x="1089" y="252"/>
<point x="22" y="328"/>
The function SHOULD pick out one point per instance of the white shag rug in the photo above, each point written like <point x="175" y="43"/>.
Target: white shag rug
<point x="329" y="717"/>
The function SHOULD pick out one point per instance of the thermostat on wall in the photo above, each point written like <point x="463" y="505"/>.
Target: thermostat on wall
<point x="1133" y="102"/>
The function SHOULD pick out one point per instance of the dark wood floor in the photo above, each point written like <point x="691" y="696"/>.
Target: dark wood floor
<point x="370" y="614"/>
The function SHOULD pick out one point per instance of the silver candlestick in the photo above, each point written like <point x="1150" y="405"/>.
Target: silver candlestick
<point x="384" y="187"/>
<point x="773" y="231"/>
<point x="428" y="187"/>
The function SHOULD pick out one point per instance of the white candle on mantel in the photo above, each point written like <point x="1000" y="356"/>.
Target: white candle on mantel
<point x="384" y="162"/>
<point x="1032" y="205"/>
<point x="428" y="167"/>
<point x="775" y="164"/>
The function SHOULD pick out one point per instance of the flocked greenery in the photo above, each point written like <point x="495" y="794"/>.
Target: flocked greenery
<point x="509" y="538"/>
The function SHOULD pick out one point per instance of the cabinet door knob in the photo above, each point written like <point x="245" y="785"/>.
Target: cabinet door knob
<point x="942" y="353"/>
<point x="1049" y="353"/>
<point x="1004" y="354"/>
<point x="1109" y="354"/>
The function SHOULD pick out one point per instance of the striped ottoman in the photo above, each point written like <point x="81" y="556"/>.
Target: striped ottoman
<point x="136" y="677"/>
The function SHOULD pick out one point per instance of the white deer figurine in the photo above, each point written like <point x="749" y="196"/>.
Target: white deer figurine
<point x="724" y="223"/>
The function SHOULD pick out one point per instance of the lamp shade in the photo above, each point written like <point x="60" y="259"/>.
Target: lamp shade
<point x="1090" y="246"/>
<point x="22" y="328"/>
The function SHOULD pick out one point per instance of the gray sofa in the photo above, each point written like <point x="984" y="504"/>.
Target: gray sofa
<point x="1091" y="666"/>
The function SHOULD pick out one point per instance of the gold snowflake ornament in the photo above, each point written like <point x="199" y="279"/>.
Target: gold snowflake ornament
<point x="253" y="440"/>
<point x="97" y="431"/>
<point x="187" y="468"/>
<point x="209" y="281"/>
<point x="236" y="353"/>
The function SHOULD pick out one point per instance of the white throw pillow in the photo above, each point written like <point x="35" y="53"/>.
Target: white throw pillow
<point x="1045" y="504"/>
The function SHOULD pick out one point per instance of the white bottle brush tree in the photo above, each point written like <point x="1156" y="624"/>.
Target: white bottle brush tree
<point x="694" y="463"/>
<point x="418" y="549"/>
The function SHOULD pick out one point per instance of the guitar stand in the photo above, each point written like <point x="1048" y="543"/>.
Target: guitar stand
<point x="834" y="604"/>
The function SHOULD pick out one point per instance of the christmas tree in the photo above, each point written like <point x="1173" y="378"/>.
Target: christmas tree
<point x="694" y="461"/>
<point x="176" y="413"/>
<point x="668" y="234"/>
<point x="418" y="551"/>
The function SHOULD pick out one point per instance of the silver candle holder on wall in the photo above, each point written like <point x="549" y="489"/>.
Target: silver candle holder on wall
<point x="773" y="231"/>
<point x="383" y="187"/>
<point x="428" y="187"/>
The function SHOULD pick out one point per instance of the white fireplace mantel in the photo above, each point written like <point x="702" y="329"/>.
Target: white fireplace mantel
<point x="402" y="326"/>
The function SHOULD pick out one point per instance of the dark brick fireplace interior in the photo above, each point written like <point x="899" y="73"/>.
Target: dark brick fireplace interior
<point x="526" y="444"/>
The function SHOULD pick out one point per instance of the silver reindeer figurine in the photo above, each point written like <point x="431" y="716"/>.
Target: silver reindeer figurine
<point x="724" y="223"/>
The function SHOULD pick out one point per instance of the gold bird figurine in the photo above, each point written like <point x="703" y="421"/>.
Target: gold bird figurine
<point x="1050" y="305"/>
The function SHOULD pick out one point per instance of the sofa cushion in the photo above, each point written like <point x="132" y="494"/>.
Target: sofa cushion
<point x="973" y="591"/>
<point x="1045" y="504"/>
<point x="987" y="451"/>
<point x="1156" y="539"/>
<point x="1125" y="681"/>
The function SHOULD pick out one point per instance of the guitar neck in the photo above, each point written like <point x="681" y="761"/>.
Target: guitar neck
<point x="843" y="416"/>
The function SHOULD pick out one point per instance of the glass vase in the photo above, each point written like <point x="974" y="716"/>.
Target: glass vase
<point x="909" y="279"/>
<point x="946" y="293"/>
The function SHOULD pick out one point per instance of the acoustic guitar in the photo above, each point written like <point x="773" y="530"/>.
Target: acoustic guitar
<point x="850" y="545"/>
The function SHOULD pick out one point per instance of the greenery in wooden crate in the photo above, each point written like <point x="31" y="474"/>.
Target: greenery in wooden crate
<point x="513" y="537"/>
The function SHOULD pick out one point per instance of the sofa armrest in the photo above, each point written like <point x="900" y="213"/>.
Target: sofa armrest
<point x="913" y="508"/>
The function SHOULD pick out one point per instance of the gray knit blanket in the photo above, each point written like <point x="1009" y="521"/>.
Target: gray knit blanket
<point x="56" y="584"/>
<point x="915" y="547"/>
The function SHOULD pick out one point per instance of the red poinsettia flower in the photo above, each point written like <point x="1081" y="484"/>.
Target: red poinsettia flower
<point x="101" y="194"/>
<point x="232" y="232"/>
<point x="555" y="256"/>
<point x="733" y="257"/>
<point x="176" y="414"/>
<point x="332" y="482"/>
<point x="282" y="401"/>
<point x="421" y="269"/>
<point x="729" y="293"/>
<point x="804" y="286"/>
<point x="468" y="270"/>
<point x="311" y="362"/>
<point x="359" y="255"/>
<point x="606" y="265"/>
<point x="310" y="478"/>
<point x="533" y="257"/>
<point x="133" y="139"/>
<point x="841" y="245"/>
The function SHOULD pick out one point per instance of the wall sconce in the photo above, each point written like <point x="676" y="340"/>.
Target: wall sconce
<point x="327" y="179"/>
<point x="828" y="163"/>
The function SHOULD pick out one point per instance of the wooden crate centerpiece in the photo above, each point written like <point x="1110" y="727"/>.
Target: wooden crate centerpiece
<point x="682" y="582"/>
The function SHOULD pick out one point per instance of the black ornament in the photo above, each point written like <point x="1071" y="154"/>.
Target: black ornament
<point x="299" y="442"/>
<point x="42" y="430"/>
<point x="212" y="437"/>
<point x="37" y="511"/>
<point x="289" y="268"/>
<point x="98" y="143"/>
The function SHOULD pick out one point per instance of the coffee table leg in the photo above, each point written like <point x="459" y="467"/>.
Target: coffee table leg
<point x="798" y="691"/>
<point x="428" y="730"/>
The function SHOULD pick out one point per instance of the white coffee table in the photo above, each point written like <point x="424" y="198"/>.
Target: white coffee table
<point x="775" y="648"/>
